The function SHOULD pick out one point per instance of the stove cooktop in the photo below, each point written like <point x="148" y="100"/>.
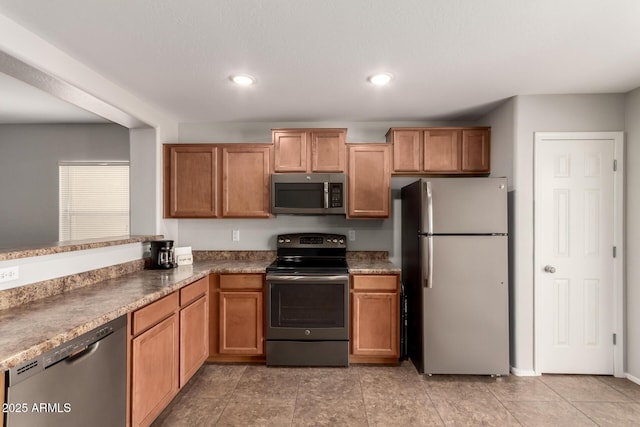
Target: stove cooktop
<point x="310" y="253"/>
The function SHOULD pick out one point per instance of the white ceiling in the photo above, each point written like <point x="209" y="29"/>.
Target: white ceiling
<point x="452" y="59"/>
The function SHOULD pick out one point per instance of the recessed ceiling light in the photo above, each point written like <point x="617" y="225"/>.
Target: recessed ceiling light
<point x="380" y="79"/>
<point x="242" y="79"/>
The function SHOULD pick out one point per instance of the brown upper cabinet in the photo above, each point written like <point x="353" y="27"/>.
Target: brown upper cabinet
<point x="217" y="180"/>
<point x="440" y="151"/>
<point x="191" y="181"/>
<point x="309" y="150"/>
<point x="369" y="181"/>
<point x="246" y="175"/>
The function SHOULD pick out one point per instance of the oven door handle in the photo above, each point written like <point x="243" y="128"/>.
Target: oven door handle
<point x="289" y="278"/>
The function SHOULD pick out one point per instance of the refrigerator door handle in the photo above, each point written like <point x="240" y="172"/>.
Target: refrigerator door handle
<point x="427" y="218"/>
<point x="426" y="248"/>
<point x="430" y="262"/>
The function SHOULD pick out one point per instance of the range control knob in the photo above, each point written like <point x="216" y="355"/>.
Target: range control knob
<point x="335" y="240"/>
<point x="341" y="241"/>
<point x="287" y="240"/>
<point x="280" y="240"/>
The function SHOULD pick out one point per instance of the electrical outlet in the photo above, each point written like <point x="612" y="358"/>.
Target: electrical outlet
<point x="9" y="274"/>
<point x="352" y="235"/>
<point x="236" y="235"/>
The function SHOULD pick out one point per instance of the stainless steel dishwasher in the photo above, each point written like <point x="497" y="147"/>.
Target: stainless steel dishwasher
<point x="80" y="383"/>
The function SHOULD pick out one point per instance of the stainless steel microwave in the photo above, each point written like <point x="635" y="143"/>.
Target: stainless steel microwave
<point x="308" y="193"/>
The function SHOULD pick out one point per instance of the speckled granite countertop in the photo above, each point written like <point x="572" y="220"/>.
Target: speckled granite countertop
<point x="31" y="329"/>
<point x="372" y="266"/>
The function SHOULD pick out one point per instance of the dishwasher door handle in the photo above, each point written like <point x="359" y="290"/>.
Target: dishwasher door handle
<point x="82" y="354"/>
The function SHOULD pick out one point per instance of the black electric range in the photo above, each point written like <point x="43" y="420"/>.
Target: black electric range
<point x="308" y="301"/>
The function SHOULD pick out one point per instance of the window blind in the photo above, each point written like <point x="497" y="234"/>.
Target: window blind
<point x="94" y="200"/>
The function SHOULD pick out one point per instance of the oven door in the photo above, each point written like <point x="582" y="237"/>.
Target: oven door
<point x="307" y="308"/>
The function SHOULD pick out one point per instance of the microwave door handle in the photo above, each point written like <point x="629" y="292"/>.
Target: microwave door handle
<point x="326" y="195"/>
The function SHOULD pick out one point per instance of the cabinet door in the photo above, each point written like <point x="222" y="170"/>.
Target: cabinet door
<point x="442" y="151"/>
<point x="241" y="323"/>
<point x="375" y="324"/>
<point x="369" y="181"/>
<point x="154" y="371"/>
<point x="290" y="151"/>
<point x="190" y="181"/>
<point x="407" y="151"/>
<point x="245" y="181"/>
<point x="327" y="151"/>
<point x="476" y="151"/>
<point x="194" y="338"/>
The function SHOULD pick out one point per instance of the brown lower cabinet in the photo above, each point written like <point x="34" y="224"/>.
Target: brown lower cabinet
<point x="168" y="342"/>
<point x="375" y="319"/>
<point x="237" y="318"/>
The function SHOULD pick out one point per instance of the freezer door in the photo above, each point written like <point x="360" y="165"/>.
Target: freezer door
<point x="464" y="205"/>
<point x="466" y="318"/>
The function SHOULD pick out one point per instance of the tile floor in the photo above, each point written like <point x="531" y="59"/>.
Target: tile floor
<point x="252" y="395"/>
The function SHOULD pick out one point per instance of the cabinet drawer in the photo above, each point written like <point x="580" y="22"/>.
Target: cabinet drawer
<point x="153" y="313"/>
<point x="193" y="291"/>
<point x="241" y="281"/>
<point x="375" y="282"/>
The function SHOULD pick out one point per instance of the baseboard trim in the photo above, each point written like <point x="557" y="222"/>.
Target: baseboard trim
<point x="633" y="379"/>
<point x="523" y="373"/>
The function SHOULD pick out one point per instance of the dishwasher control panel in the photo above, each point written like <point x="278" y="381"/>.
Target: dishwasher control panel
<point x="76" y="345"/>
<point x="73" y="347"/>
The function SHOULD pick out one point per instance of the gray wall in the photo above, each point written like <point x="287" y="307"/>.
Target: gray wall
<point x="545" y="113"/>
<point x="632" y="123"/>
<point x="29" y="156"/>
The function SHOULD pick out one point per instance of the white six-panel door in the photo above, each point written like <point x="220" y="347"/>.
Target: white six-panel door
<point x="574" y="263"/>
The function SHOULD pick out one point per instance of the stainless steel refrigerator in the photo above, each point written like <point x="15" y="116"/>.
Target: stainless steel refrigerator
<point x="454" y="269"/>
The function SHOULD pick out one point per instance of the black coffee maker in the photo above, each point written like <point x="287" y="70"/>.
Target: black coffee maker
<point x="162" y="255"/>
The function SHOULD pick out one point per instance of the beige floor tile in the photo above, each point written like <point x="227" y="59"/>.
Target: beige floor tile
<point x="330" y="384"/>
<point x="402" y="412"/>
<point x="246" y="395"/>
<point x="257" y="412"/>
<point x="188" y="411"/>
<point x="312" y="411"/>
<point x="216" y="381"/>
<point x="522" y="389"/>
<point x="259" y="382"/>
<point x="559" y="413"/>
<point x="388" y="386"/>
<point x="608" y="414"/>
<point x="583" y="388"/>
<point x="623" y="385"/>
<point x="483" y="412"/>
<point x="454" y="387"/>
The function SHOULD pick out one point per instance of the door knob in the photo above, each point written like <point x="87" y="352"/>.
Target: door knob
<point x="549" y="269"/>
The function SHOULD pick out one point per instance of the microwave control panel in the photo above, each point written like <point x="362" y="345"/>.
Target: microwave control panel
<point x="335" y="191"/>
